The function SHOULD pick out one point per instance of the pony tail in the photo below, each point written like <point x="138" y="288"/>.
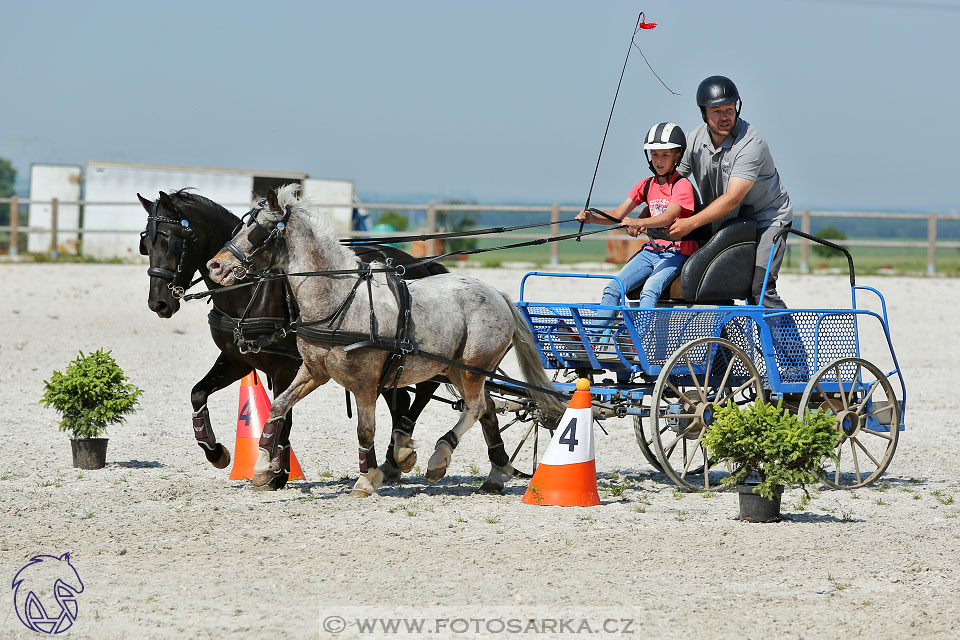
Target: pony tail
<point x="529" y="359"/>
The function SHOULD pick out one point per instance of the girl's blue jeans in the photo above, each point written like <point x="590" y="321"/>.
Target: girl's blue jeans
<point x="655" y="270"/>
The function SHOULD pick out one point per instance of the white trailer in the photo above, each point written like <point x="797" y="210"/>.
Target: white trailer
<point x="49" y="181"/>
<point x="114" y="216"/>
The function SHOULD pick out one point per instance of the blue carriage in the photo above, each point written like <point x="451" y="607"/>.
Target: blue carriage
<point x="668" y="367"/>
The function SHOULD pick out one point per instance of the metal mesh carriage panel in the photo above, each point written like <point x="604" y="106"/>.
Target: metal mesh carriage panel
<point x="572" y="336"/>
<point x="663" y="331"/>
<point x="744" y="333"/>
<point x="805" y="341"/>
<point x="679" y="328"/>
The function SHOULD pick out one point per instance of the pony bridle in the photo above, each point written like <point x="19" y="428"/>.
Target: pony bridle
<point x="176" y="283"/>
<point x="259" y="238"/>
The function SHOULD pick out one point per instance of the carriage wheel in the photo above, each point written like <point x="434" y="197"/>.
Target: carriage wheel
<point x="697" y="377"/>
<point x="524" y="442"/>
<point x="646" y="444"/>
<point x="868" y="414"/>
<point x="645" y="441"/>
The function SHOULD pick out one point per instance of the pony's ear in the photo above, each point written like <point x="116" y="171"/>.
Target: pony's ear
<point x="272" y="200"/>
<point x="147" y="205"/>
<point x="256" y="197"/>
<point x="166" y="201"/>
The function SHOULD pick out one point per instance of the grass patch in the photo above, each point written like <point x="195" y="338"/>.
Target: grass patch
<point x="943" y="498"/>
<point x="839" y="586"/>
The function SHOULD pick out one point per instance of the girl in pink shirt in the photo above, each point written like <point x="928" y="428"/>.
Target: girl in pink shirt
<point x="667" y="196"/>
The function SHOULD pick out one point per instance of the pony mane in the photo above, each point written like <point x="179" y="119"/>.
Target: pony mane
<point x="187" y="197"/>
<point x="309" y="210"/>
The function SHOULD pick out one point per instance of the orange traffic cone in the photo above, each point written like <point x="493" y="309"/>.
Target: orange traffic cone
<point x="253" y="413"/>
<point x="567" y="475"/>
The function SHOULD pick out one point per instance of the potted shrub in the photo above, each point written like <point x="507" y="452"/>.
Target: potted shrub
<point x="91" y="394"/>
<point x="767" y="441"/>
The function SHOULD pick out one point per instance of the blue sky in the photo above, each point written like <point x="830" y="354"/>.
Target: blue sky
<point x="494" y="100"/>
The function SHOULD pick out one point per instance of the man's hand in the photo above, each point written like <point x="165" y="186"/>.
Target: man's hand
<point x="681" y="227"/>
<point x="582" y="216"/>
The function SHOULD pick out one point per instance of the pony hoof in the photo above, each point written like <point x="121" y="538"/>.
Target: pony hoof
<point x="279" y="481"/>
<point x="439" y="461"/>
<point x="391" y="473"/>
<point x="261" y="478"/>
<point x="367" y="484"/>
<point x="407" y="462"/>
<point x="219" y="457"/>
<point x="491" y="487"/>
<point x="434" y="475"/>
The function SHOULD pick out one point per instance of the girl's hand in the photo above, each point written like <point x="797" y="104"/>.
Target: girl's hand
<point x="633" y="227"/>
<point x="582" y="216"/>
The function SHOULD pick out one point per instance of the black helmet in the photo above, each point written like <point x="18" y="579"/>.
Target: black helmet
<point x="715" y="91"/>
<point x="665" y="135"/>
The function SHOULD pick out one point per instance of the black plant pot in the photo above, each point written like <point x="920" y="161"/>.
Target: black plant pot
<point x="89" y="453"/>
<point x="756" y="508"/>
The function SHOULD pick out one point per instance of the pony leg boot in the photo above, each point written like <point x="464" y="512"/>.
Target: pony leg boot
<point x="216" y="453"/>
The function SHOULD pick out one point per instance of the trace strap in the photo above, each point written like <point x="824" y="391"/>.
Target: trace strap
<point x="397" y="269"/>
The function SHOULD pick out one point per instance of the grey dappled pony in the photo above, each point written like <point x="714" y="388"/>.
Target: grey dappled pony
<point x="453" y="316"/>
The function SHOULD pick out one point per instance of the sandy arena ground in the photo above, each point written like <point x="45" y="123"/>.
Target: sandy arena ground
<point x="169" y="547"/>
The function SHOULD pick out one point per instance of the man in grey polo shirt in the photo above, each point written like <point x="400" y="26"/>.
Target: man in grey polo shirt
<point x="732" y="166"/>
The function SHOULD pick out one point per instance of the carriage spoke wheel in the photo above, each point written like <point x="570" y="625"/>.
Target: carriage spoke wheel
<point x="645" y="441"/>
<point x="867" y="413"/>
<point x="698" y="377"/>
<point x="525" y="439"/>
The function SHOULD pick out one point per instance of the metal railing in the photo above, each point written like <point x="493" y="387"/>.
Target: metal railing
<point x="555" y="210"/>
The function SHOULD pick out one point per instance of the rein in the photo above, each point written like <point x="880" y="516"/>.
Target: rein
<point x="398" y="269"/>
<point x="451" y="234"/>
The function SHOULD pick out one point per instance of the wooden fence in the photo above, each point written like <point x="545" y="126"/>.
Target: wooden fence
<point x="555" y="210"/>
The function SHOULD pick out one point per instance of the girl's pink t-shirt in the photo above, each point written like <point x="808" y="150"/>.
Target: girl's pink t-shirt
<point x="659" y="196"/>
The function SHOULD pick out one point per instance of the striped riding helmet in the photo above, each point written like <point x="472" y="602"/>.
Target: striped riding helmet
<point x="665" y="135"/>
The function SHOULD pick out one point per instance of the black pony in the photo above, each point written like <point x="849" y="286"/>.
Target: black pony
<point x="184" y="230"/>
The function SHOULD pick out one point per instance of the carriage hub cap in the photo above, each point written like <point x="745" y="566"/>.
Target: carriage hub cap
<point x="849" y="422"/>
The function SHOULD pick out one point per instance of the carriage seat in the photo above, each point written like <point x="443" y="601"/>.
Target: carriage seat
<point x="721" y="271"/>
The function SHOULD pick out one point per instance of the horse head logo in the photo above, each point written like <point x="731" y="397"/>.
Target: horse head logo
<point x="45" y="594"/>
